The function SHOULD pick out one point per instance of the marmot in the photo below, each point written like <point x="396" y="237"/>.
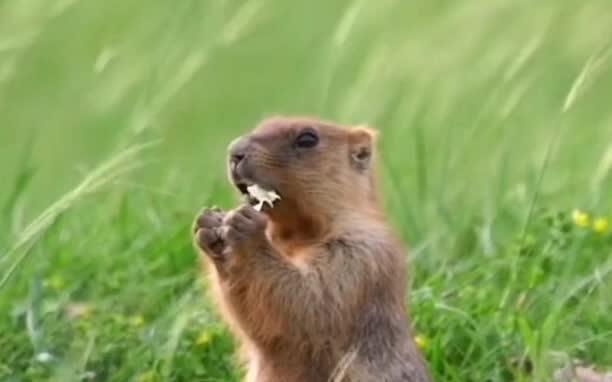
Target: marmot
<point x="314" y="286"/>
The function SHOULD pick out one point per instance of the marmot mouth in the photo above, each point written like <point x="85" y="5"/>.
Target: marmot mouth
<point x="253" y="198"/>
<point x="243" y="188"/>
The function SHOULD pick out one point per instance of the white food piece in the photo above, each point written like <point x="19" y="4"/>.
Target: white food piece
<point x="262" y="196"/>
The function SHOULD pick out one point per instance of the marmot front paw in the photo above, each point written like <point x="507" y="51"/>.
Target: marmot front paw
<point x="244" y="228"/>
<point x="208" y="232"/>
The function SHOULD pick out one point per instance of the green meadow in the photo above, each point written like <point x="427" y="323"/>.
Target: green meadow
<point x="496" y="156"/>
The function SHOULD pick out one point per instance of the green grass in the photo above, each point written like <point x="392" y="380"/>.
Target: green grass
<point x="114" y="117"/>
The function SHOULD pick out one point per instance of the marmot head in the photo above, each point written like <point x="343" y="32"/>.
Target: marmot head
<point x="310" y="163"/>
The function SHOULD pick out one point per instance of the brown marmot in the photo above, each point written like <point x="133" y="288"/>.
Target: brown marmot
<point x="315" y="285"/>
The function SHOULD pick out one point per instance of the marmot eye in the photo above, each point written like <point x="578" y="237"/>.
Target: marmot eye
<point x="307" y="139"/>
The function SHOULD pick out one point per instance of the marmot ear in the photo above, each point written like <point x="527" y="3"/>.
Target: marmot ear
<point x="362" y="142"/>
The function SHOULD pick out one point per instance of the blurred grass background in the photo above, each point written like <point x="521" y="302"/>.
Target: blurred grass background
<point x="114" y="117"/>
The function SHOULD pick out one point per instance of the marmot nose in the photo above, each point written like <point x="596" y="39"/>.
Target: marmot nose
<point x="238" y="150"/>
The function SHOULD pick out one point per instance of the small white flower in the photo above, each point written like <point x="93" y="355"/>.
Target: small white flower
<point x="44" y="357"/>
<point x="88" y="376"/>
<point x="262" y="196"/>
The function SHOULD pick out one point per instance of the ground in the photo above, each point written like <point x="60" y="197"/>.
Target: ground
<point x="495" y="125"/>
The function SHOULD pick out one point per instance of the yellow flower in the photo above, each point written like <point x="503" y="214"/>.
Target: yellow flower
<point x="581" y="219"/>
<point x="601" y="225"/>
<point x="421" y="341"/>
<point x="204" y="338"/>
<point x="149" y="376"/>
<point x="137" y="320"/>
<point x="56" y="282"/>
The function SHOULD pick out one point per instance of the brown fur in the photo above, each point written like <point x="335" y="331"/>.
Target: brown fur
<point x="315" y="287"/>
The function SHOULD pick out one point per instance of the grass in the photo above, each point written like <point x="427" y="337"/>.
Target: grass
<point x="114" y="117"/>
